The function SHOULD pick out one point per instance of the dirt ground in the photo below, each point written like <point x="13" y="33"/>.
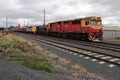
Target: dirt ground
<point x="111" y="40"/>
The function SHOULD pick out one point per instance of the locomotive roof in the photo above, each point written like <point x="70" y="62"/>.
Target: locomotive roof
<point x="92" y="17"/>
<point x="79" y="19"/>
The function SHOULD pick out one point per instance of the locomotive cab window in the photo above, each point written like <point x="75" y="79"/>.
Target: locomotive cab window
<point x="93" y="22"/>
<point x="86" y="23"/>
<point x="99" y="23"/>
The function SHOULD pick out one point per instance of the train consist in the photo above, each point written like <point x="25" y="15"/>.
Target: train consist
<point x="89" y="28"/>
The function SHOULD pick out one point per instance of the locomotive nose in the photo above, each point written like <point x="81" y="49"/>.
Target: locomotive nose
<point x="96" y="26"/>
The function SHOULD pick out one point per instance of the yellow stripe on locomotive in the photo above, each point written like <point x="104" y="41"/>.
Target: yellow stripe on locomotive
<point x="94" y="22"/>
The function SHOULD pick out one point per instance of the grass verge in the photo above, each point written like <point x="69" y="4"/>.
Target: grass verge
<point x="24" y="53"/>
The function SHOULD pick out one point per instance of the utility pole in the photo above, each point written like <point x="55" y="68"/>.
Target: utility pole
<point x="6" y="24"/>
<point x="24" y="22"/>
<point x="44" y="17"/>
<point x="115" y="34"/>
<point x="27" y="23"/>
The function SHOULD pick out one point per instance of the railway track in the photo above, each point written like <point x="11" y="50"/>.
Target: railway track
<point x="91" y="44"/>
<point x="110" y="47"/>
<point x="104" y="58"/>
<point x="100" y="45"/>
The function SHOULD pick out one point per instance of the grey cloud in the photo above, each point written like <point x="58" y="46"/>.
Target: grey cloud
<point x="56" y="10"/>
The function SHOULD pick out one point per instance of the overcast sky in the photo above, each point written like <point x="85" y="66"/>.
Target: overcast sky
<point x="32" y="11"/>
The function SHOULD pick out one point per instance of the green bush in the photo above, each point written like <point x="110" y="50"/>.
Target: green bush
<point x="38" y="63"/>
<point x="46" y="66"/>
<point x="17" y="53"/>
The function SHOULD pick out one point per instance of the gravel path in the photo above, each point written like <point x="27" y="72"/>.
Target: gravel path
<point x="12" y="71"/>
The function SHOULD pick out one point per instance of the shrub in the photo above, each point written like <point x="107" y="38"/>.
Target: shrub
<point x="38" y="63"/>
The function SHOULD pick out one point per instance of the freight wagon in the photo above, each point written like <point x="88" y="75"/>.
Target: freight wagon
<point x="41" y="29"/>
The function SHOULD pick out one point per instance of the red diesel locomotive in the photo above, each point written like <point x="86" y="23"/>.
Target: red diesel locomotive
<point x="89" y="28"/>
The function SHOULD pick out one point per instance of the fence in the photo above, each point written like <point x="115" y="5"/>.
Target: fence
<point x="111" y="33"/>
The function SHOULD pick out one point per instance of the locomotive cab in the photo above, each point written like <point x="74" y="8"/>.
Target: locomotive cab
<point x="93" y="27"/>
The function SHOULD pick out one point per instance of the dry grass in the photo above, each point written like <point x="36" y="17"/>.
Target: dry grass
<point x="64" y="61"/>
<point x="25" y="53"/>
<point x="111" y="40"/>
<point x="70" y="70"/>
<point x="79" y="68"/>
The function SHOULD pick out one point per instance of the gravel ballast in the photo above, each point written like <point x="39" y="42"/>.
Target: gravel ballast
<point x="12" y="71"/>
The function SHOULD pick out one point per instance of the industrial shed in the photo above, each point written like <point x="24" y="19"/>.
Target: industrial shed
<point x="111" y="32"/>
